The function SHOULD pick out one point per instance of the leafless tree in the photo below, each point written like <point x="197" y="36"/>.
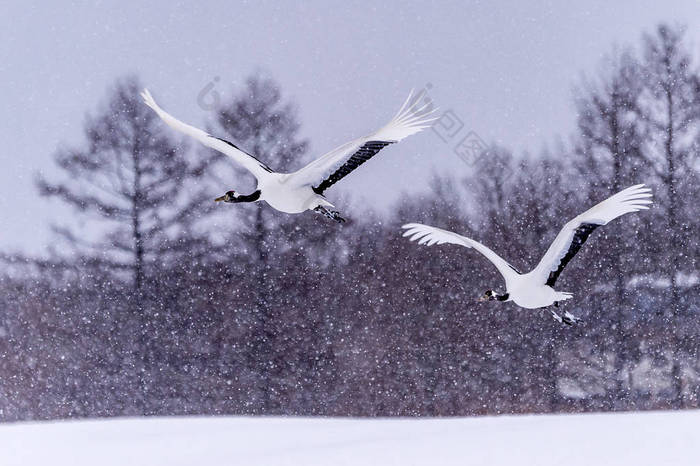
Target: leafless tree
<point x="669" y="108"/>
<point x="259" y="121"/>
<point x="608" y="144"/>
<point x="131" y="182"/>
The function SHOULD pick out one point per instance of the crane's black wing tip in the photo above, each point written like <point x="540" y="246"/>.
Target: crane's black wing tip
<point x="581" y="234"/>
<point x="366" y="151"/>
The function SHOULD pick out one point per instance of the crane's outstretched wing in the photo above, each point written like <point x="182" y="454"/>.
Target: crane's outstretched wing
<point x="576" y="232"/>
<point x="330" y="168"/>
<point x="430" y="235"/>
<point x="249" y="162"/>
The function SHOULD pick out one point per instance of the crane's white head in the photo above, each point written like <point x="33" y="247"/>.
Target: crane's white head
<point x="230" y="196"/>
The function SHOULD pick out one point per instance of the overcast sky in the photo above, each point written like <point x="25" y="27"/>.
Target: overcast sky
<point x="505" y="68"/>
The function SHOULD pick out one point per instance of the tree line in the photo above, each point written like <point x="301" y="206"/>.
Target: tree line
<point x="175" y="307"/>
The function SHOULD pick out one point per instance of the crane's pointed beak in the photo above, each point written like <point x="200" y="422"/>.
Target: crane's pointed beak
<point x="219" y="199"/>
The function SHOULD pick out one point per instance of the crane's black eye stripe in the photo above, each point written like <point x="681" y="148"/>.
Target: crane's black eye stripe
<point x="363" y="154"/>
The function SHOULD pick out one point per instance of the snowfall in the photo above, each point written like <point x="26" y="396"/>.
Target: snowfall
<point x="652" y="438"/>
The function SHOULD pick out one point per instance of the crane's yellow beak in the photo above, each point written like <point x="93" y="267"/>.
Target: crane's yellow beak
<point x="219" y="199"/>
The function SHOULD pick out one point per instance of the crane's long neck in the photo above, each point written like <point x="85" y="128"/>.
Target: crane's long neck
<point x="502" y="297"/>
<point x="252" y="197"/>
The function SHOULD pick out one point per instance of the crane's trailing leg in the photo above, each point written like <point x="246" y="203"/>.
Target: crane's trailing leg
<point x="566" y="318"/>
<point x="570" y="319"/>
<point x="556" y="316"/>
<point x="332" y="214"/>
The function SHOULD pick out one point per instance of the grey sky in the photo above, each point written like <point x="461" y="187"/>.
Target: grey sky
<point x="506" y="69"/>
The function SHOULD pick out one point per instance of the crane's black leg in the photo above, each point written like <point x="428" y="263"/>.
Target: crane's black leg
<point x="331" y="214"/>
<point x="570" y="319"/>
<point x="556" y="316"/>
<point x="566" y="318"/>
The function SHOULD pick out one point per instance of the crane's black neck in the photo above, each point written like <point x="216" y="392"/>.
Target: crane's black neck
<point x="502" y="297"/>
<point x="252" y="197"/>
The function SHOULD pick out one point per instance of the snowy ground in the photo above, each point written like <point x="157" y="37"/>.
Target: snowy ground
<point x="597" y="439"/>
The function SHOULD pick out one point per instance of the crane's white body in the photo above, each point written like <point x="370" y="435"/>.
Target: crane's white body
<point x="530" y="290"/>
<point x="294" y="192"/>
<point x="285" y="194"/>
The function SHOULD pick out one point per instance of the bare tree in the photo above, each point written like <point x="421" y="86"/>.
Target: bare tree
<point x="670" y="110"/>
<point x="608" y="144"/>
<point x="130" y="183"/>
<point x="262" y="123"/>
